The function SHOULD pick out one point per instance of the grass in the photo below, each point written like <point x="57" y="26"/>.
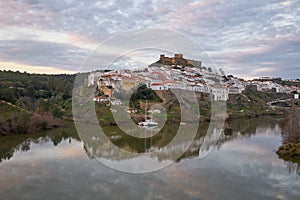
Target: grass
<point x="6" y="111"/>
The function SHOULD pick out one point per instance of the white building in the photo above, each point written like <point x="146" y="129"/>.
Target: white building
<point x="236" y="89"/>
<point x="91" y="79"/>
<point x="159" y="86"/>
<point x="116" y="102"/>
<point x="219" y="94"/>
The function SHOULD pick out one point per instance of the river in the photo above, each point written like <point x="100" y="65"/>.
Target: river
<point x="56" y="165"/>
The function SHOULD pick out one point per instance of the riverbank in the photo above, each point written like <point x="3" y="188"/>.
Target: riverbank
<point x="290" y="150"/>
<point x="16" y="120"/>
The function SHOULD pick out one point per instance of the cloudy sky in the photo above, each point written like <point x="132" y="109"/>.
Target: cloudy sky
<point x="245" y="38"/>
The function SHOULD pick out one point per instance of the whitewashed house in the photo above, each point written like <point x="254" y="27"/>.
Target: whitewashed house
<point x="91" y="79"/>
<point x="116" y="102"/>
<point x="219" y="94"/>
<point x="159" y="86"/>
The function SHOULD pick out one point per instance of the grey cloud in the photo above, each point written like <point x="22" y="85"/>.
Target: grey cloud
<point x="281" y="60"/>
<point x="222" y="27"/>
<point x="42" y="53"/>
<point x="285" y="52"/>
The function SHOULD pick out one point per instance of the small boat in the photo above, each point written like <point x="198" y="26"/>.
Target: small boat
<point x="148" y="122"/>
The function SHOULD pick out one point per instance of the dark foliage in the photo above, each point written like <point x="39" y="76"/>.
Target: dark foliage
<point x="143" y="93"/>
<point x="27" y="90"/>
<point x="23" y="123"/>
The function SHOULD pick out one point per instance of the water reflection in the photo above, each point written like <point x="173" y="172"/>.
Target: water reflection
<point x="50" y="165"/>
<point x="9" y="145"/>
<point x="294" y="168"/>
<point x="95" y="147"/>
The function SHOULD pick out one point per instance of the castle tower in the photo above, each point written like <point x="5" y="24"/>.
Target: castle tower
<point x="178" y="56"/>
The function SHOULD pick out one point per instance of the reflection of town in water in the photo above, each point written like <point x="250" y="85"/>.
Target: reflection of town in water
<point x="203" y="143"/>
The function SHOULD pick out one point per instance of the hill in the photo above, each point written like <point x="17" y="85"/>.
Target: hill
<point x="40" y="98"/>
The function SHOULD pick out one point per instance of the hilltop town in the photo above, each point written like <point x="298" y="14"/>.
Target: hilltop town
<point x="185" y="74"/>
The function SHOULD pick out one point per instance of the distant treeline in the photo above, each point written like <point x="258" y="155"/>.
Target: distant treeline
<point x="14" y="85"/>
<point x="37" y="92"/>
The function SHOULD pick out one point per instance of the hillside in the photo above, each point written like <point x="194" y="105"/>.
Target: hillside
<point x="43" y="100"/>
<point x="254" y="103"/>
<point x="250" y="103"/>
<point x="33" y="102"/>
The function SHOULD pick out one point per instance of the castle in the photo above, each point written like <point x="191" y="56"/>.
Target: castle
<point x="179" y="60"/>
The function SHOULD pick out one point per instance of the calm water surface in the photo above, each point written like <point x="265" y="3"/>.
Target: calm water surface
<point x="55" y="165"/>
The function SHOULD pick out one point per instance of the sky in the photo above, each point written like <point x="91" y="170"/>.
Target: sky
<point x="245" y="38"/>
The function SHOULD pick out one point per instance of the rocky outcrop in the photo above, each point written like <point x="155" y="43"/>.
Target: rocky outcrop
<point x="290" y="150"/>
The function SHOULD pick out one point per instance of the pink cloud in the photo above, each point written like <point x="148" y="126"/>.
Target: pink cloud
<point x="205" y="4"/>
<point x="191" y="14"/>
<point x="256" y="47"/>
<point x="17" y="13"/>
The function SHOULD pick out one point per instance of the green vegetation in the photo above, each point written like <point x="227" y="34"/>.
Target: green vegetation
<point x="286" y="82"/>
<point x="253" y="103"/>
<point x="104" y="115"/>
<point x="23" y="123"/>
<point x="144" y="93"/>
<point x="174" y="111"/>
<point x="15" y="85"/>
<point x="24" y="95"/>
<point x="289" y="151"/>
<point x="141" y="94"/>
<point x="33" y="102"/>
<point x="6" y="110"/>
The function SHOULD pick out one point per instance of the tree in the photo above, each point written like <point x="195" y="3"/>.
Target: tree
<point x="7" y="94"/>
<point x="291" y="127"/>
<point x="31" y="93"/>
<point x="20" y="123"/>
<point x="56" y="112"/>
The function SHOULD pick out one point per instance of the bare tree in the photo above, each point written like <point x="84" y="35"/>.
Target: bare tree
<point x="291" y="127"/>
